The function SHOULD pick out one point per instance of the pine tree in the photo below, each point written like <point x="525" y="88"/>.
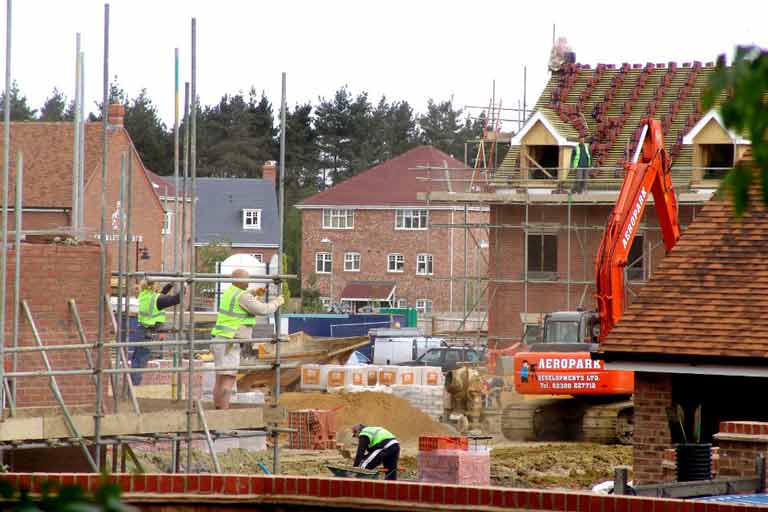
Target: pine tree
<point x="53" y="108"/>
<point x="20" y="110"/>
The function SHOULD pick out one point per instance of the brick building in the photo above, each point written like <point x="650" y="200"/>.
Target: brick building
<point x="696" y="335"/>
<point x="370" y="239"/>
<point x="47" y="191"/>
<point x="544" y="233"/>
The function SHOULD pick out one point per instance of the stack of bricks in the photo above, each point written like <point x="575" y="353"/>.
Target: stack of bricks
<point x="448" y="460"/>
<point x="315" y="429"/>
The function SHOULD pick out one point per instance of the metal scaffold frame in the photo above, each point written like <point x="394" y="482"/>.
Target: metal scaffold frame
<point x="110" y="363"/>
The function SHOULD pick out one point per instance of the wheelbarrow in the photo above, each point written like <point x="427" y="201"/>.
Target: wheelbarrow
<point x="353" y="472"/>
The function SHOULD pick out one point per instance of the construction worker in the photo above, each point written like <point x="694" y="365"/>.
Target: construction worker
<point x="376" y="445"/>
<point x="581" y="161"/>
<point x="238" y="308"/>
<point x="151" y="320"/>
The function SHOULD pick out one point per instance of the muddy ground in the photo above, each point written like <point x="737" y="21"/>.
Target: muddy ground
<point x="541" y="465"/>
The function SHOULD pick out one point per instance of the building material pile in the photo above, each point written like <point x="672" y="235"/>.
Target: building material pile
<point x="450" y="460"/>
<point x="315" y="429"/>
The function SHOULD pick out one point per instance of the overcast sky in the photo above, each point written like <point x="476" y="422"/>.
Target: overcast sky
<point x="412" y="50"/>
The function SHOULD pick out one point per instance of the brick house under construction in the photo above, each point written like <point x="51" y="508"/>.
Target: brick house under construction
<point x="543" y="235"/>
<point x="47" y="149"/>
<point x="370" y="240"/>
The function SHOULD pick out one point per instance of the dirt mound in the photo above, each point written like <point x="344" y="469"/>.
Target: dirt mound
<point x="379" y="409"/>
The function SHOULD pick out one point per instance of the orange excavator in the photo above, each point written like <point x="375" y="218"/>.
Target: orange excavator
<point x="559" y="365"/>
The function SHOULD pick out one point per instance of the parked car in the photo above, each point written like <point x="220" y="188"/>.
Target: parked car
<point x="448" y="358"/>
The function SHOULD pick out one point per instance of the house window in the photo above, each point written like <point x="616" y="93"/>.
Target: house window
<point x="410" y="219"/>
<point x="424" y="305"/>
<point x="395" y="263"/>
<point x="323" y="262"/>
<point x="351" y="262"/>
<point x="251" y="218"/>
<point x="717" y="160"/>
<point x="635" y="260"/>
<point x="167" y="223"/>
<point x="402" y="303"/>
<point x="338" y="219"/>
<point x="542" y="256"/>
<point x="547" y="157"/>
<point x="259" y="256"/>
<point x="424" y="264"/>
<point x="326" y="302"/>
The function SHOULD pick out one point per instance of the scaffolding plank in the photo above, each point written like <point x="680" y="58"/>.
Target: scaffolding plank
<point x="54" y="427"/>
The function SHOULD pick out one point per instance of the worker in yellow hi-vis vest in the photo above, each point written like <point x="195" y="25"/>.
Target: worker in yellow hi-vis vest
<point x="376" y="445"/>
<point x="581" y="161"/>
<point x="238" y="308"/>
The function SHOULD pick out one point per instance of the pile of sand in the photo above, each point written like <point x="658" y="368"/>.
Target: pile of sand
<point x="379" y="409"/>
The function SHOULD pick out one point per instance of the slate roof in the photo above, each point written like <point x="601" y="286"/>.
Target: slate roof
<point x="709" y="296"/>
<point x="220" y="202"/>
<point x="608" y="103"/>
<point x="395" y="181"/>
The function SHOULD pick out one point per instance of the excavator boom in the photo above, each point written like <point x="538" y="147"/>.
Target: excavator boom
<point x="647" y="175"/>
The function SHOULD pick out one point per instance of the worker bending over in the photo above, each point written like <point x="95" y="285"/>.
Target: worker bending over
<point x="151" y="320"/>
<point x="376" y="445"/>
<point x="238" y="308"/>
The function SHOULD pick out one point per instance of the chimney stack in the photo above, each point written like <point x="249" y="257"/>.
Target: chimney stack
<point x="269" y="171"/>
<point x="115" y="114"/>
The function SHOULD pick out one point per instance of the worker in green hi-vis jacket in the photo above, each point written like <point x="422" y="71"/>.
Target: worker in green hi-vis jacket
<point x="376" y="445"/>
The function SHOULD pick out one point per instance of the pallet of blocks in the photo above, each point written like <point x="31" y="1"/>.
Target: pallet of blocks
<point x="451" y="460"/>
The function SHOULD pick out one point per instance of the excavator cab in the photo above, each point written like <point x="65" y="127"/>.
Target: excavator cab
<point x="571" y="327"/>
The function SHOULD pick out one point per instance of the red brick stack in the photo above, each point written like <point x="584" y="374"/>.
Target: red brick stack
<point x="449" y="460"/>
<point x="315" y="429"/>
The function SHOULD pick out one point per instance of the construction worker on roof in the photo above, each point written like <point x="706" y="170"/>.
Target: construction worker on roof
<point x="238" y="308"/>
<point x="151" y="320"/>
<point x="581" y="161"/>
<point x="376" y="445"/>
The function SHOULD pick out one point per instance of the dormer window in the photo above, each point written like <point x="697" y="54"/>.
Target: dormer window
<point x="251" y="218"/>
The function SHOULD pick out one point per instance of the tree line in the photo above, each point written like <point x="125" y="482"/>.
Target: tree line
<point x="327" y="141"/>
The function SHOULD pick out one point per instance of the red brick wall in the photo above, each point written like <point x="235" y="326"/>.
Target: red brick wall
<point x="740" y="443"/>
<point x="653" y="394"/>
<point x="39" y="220"/>
<point x="374" y="236"/>
<point x="147" y="212"/>
<point x="507" y="258"/>
<point x="51" y="274"/>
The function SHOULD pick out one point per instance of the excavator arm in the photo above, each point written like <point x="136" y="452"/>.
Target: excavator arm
<point x="648" y="174"/>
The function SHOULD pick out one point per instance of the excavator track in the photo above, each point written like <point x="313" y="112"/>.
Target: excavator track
<point x="568" y="420"/>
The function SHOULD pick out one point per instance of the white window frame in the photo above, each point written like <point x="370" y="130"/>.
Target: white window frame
<point x="167" y="223"/>
<point x="259" y="256"/>
<point x="343" y="218"/>
<point x="248" y="214"/>
<point x="326" y="302"/>
<point x="424" y="305"/>
<point x="402" y="303"/>
<point x="398" y="260"/>
<point x="411" y="219"/>
<point x="350" y="258"/>
<point x="321" y="258"/>
<point x="425" y="264"/>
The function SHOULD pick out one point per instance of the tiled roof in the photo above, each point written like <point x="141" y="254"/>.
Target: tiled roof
<point x="47" y="149"/>
<point x="396" y="181"/>
<point x="163" y="185"/>
<point x="607" y="103"/>
<point x="368" y="290"/>
<point x="709" y="296"/>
